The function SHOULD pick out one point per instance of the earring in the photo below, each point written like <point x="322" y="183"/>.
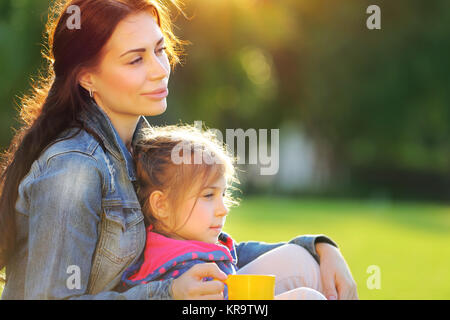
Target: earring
<point x="91" y="94"/>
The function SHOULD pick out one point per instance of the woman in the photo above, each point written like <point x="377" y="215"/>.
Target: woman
<point x="70" y="221"/>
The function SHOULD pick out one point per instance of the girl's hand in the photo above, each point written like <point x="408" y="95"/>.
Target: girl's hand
<point x="189" y="286"/>
<point x="337" y="280"/>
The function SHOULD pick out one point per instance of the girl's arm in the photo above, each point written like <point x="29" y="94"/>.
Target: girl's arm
<point x="63" y="204"/>
<point x="250" y="250"/>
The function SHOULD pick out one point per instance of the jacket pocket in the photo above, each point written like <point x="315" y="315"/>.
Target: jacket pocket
<point x="120" y="236"/>
<point x="121" y="241"/>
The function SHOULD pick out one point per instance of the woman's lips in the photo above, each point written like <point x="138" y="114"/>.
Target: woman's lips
<point x="157" y="94"/>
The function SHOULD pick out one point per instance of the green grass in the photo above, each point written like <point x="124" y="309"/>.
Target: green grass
<point x="409" y="242"/>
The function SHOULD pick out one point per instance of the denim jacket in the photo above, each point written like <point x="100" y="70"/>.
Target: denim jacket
<point x="80" y="225"/>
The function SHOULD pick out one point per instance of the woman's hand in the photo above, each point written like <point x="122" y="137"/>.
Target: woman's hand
<point x="189" y="286"/>
<point x="337" y="280"/>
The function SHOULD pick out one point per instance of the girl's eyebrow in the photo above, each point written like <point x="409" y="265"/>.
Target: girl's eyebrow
<point x="213" y="187"/>
<point x="141" y="49"/>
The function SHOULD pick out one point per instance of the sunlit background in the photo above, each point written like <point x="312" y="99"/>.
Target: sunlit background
<point x="363" y="118"/>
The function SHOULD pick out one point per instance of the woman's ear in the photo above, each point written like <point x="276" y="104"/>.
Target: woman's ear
<point x="159" y="205"/>
<point x="85" y="80"/>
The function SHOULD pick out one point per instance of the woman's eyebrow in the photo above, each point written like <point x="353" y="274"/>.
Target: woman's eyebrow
<point x="141" y="49"/>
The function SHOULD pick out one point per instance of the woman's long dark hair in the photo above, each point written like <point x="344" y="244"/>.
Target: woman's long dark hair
<point x="57" y="98"/>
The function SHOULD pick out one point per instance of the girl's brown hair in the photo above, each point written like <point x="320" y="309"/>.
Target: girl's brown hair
<point x="178" y="160"/>
<point x="57" y="97"/>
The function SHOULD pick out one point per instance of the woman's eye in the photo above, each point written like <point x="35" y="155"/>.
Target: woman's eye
<point x="136" y="61"/>
<point x="209" y="195"/>
<point x="161" y="50"/>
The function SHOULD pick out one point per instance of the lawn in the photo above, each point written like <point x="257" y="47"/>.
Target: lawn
<point x="409" y="242"/>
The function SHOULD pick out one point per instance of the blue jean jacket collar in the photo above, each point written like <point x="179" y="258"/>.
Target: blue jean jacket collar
<point x="99" y="122"/>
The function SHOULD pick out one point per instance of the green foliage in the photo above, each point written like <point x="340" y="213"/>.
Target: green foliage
<point x="374" y="98"/>
<point x="21" y="30"/>
<point x="371" y="98"/>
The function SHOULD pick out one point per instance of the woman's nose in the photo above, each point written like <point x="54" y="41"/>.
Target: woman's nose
<point x="158" y="69"/>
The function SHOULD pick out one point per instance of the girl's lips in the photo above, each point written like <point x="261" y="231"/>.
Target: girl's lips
<point x="157" y="95"/>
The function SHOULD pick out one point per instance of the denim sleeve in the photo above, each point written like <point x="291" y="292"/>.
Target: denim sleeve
<point x="250" y="250"/>
<point x="65" y="206"/>
<point x="156" y="290"/>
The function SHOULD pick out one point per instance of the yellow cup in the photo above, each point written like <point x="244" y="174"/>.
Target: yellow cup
<point x="250" y="287"/>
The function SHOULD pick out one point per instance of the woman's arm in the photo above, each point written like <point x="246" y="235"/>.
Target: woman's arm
<point x="250" y="250"/>
<point x="337" y="280"/>
<point x="64" y="214"/>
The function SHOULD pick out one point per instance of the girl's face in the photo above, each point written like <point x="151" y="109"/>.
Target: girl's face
<point x="134" y="63"/>
<point x="208" y="214"/>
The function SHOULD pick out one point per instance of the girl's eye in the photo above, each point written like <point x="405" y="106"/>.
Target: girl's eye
<point x="136" y="61"/>
<point x="209" y="195"/>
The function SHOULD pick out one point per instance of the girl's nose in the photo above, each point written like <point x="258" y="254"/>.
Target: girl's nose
<point x="222" y="209"/>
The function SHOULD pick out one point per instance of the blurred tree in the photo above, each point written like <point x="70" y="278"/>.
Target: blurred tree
<point x="21" y="29"/>
<point x="373" y="101"/>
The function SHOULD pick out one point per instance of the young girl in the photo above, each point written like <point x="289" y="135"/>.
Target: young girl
<point x="184" y="179"/>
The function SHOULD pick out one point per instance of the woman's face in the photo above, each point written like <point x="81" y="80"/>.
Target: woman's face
<point x="134" y="63"/>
